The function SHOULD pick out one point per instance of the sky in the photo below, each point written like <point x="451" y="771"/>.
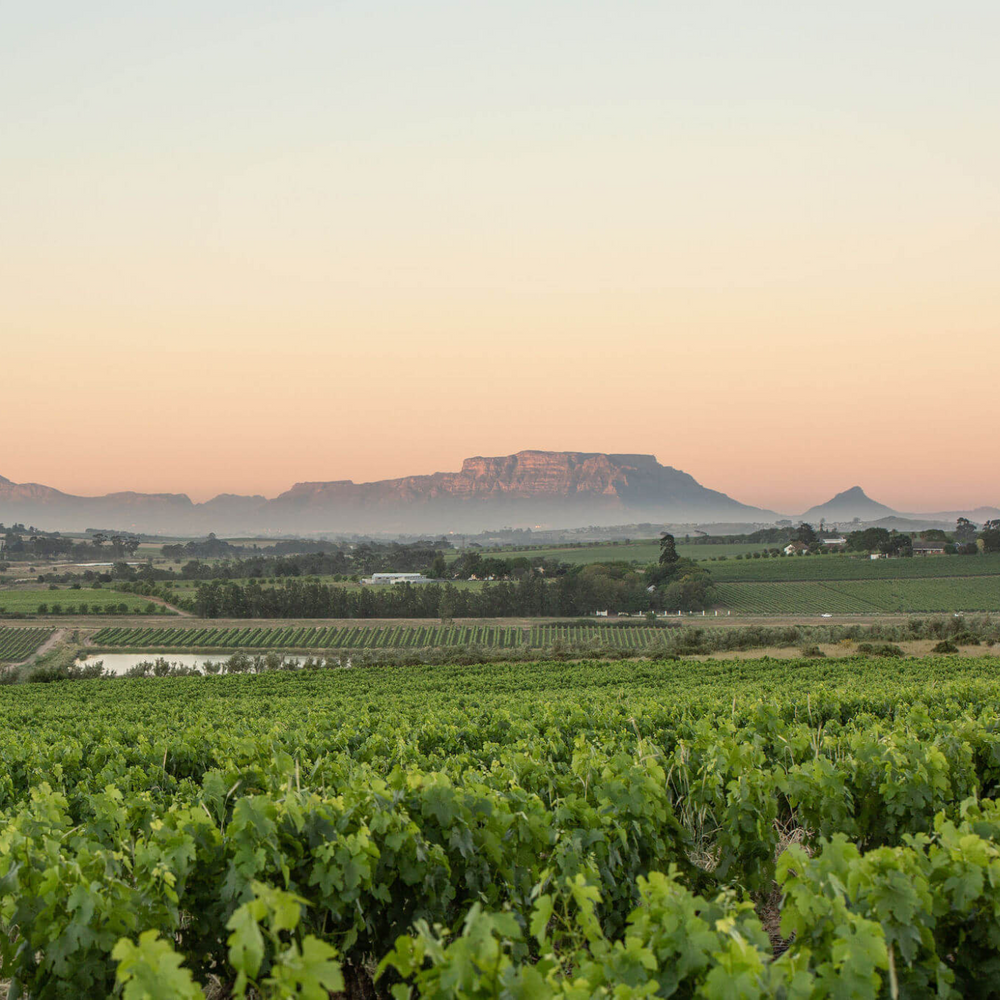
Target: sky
<point x="244" y="244"/>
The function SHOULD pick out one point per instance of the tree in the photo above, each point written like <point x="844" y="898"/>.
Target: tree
<point x="898" y="544"/>
<point x="690" y="592"/>
<point x="439" y="567"/>
<point x="870" y="540"/>
<point x="804" y="533"/>
<point x="965" y="530"/>
<point x="668" y="550"/>
<point x="124" y="544"/>
<point x="990" y="536"/>
<point x="446" y="607"/>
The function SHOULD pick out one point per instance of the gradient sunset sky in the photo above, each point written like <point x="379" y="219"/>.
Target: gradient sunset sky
<point x="245" y="243"/>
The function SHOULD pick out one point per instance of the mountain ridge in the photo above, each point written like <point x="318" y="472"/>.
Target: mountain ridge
<point x="523" y="489"/>
<point x="526" y="489"/>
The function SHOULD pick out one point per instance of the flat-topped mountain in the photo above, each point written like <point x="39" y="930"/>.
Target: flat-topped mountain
<point x="531" y="487"/>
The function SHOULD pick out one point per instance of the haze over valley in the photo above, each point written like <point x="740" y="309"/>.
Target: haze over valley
<point x="530" y="489"/>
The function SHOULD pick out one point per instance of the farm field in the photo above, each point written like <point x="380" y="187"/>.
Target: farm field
<point x="68" y="601"/>
<point x="403" y="636"/>
<point x="165" y="826"/>
<point x="18" y="644"/>
<point x="844" y="567"/>
<point x="642" y="551"/>
<point x="852" y="597"/>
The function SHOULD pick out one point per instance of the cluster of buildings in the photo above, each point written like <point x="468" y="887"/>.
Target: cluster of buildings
<point x="920" y="548"/>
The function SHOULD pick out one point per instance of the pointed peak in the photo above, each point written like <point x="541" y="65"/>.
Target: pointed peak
<point x="851" y="503"/>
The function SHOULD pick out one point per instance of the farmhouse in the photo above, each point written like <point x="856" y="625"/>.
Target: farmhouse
<point x="385" y="578"/>
<point x="928" y="548"/>
<point x="795" y="548"/>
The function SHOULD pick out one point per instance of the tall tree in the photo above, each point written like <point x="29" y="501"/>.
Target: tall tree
<point x="965" y="530"/>
<point x="446" y="607"/>
<point x="668" y="549"/>
<point x="805" y="534"/>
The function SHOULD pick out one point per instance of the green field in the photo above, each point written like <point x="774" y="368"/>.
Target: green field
<point x="69" y="601"/>
<point x="558" y="829"/>
<point x="642" y="551"/>
<point x="18" y="644"/>
<point x="943" y="594"/>
<point x="374" y="637"/>
<point x="844" y="567"/>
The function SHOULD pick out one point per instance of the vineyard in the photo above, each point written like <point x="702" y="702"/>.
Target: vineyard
<point x="715" y="829"/>
<point x="974" y="593"/>
<point x="543" y="636"/>
<point x="18" y="644"/>
<point x="642" y="552"/>
<point x="373" y="637"/>
<point x="831" y="568"/>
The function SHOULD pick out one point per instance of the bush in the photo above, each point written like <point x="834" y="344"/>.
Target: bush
<point x="965" y="638"/>
<point x="880" y="649"/>
<point x="945" y="646"/>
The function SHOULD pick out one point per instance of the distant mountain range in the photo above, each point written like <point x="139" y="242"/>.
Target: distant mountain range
<point x="528" y="489"/>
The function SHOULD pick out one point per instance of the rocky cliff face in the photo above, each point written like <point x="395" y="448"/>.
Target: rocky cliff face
<point x="554" y="488"/>
<point x="550" y="473"/>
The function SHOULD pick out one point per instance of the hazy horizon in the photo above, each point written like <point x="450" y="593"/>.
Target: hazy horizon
<point x="246" y="246"/>
<point x="781" y="509"/>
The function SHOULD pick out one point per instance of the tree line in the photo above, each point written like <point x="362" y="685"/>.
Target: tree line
<point x="673" y="584"/>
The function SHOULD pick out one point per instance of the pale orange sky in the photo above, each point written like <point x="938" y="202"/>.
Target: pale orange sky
<point x="243" y="249"/>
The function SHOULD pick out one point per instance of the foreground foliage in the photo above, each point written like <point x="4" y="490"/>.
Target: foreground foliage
<point x="530" y="829"/>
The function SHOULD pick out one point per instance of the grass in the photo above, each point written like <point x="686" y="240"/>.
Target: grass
<point x="29" y="601"/>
